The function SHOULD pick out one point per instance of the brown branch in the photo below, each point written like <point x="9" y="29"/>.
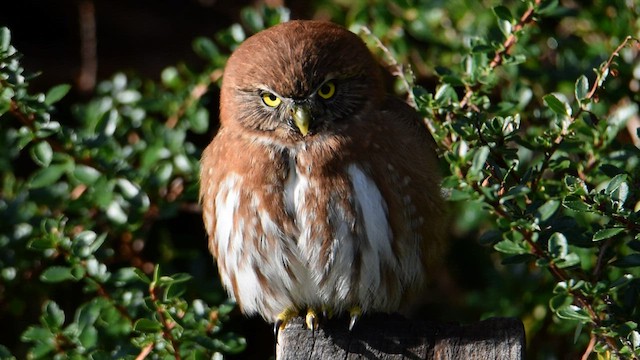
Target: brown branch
<point x="398" y="68"/>
<point x="167" y="324"/>
<point x="145" y="351"/>
<point x="597" y="84"/>
<point x="590" y="347"/>
<point x="498" y="57"/>
<point x="604" y="69"/>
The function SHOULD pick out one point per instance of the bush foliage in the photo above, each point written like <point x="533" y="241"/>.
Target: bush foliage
<point x="534" y="105"/>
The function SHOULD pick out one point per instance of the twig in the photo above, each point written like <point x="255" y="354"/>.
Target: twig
<point x="597" y="84"/>
<point x="145" y="351"/>
<point x="398" y="68"/>
<point x="589" y="349"/>
<point x="604" y="69"/>
<point x="167" y="325"/>
<point x="507" y="45"/>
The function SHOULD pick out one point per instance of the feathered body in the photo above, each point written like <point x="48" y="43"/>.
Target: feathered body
<point x="345" y="214"/>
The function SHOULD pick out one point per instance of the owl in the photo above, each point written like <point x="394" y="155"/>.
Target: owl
<point x="320" y="192"/>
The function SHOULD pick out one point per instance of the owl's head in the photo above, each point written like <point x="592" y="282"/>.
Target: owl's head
<point x="299" y="79"/>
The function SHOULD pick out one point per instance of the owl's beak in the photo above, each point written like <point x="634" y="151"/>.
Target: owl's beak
<point x="301" y="117"/>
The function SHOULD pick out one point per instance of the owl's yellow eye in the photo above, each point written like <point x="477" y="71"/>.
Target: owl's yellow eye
<point x="271" y="100"/>
<point x="327" y="90"/>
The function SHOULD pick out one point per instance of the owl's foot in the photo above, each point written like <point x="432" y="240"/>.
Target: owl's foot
<point x="282" y="319"/>
<point x="311" y="319"/>
<point x="355" y="313"/>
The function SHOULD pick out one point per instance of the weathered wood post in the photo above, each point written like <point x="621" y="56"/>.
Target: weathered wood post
<point x="387" y="337"/>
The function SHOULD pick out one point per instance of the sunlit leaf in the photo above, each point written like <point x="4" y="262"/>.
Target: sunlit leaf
<point x="56" y="93"/>
<point x="604" y="234"/>
<point x="556" y="105"/>
<point x="581" y="88"/>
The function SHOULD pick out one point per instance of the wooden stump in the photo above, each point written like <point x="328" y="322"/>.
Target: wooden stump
<point x="386" y="337"/>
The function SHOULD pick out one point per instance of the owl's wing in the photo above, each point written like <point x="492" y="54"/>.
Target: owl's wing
<point x="404" y="113"/>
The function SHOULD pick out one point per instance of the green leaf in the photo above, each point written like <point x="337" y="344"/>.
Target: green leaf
<point x="36" y="334"/>
<point x="506" y="27"/>
<point x="547" y="7"/>
<point x="52" y="316"/>
<point x="560" y="301"/>
<point x="88" y="337"/>
<point x="575" y="185"/>
<point x="116" y="214"/>
<point x="147" y="326"/>
<point x="502" y="13"/>
<point x="558" y="246"/>
<point x="142" y="276"/>
<point x="199" y="121"/>
<point x="252" y="19"/>
<point x="604" y="234"/>
<point x="576" y="205"/>
<point x="204" y="47"/>
<point x="510" y="247"/>
<point x="82" y="242"/>
<point x="108" y="123"/>
<point x="56" y="93"/>
<point x="546" y="210"/>
<point x="568" y="260"/>
<point x="621" y="281"/>
<point x="128" y="189"/>
<point x="128" y="96"/>
<point x="581" y="88"/>
<point x="556" y="105"/>
<point x="615" y="183"/>
<point x="125" y="275"/>
<point x="170" y="77"/>
<point x="88" y="313"/>
<point x="42" y="243"/>
<point x="175" y="290"/>
<point x="47" y="176"/>
<point x="573" y="312"/>
<point x="634" y="337"/>
<point x="5" y="39"/>
<point x="42" y="153"/>
<point x="56" y="274"/>
<point x="86" y="174"/>
<point x="479" y="159"/>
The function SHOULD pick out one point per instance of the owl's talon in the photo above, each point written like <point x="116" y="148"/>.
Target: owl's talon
<point x="355" y="314"/>
<point x="311" y="319"/>
<point x="276" y="328"/>
<point x="282" y="319"/>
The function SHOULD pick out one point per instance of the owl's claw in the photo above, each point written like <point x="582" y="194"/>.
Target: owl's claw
<point x="355" y="314"/>
<point x="282" y="319"/>
<point x="311" y="319"/>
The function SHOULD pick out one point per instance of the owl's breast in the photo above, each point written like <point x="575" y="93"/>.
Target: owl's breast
<point x="345" y="233"/>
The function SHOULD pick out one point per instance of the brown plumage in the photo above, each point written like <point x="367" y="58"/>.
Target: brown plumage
<point x="319" y="192"/>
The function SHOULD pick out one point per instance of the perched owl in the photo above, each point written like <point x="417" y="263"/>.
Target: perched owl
<point x="319" y="192"/>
